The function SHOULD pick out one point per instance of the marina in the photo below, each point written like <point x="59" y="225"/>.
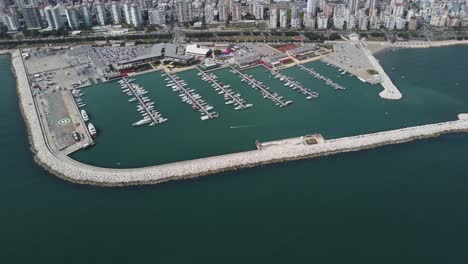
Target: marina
<point x="190" y="97"/>
<point x="145" y="106"/>
<point x="317" y="75"/>
<point x="294" y="85"/>
<point x="230" y="96"/>
<point x="257" y="85"/>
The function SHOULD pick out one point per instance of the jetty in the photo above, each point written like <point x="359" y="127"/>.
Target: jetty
<point x="150" y="115"/>
<point x="308" y="146"/>
<point x="317" y="75"/>
<point x="229" y="95"/>
<point x="294" y="85"/>
<point x="277" y="99"/>
<point x="191" y="98"/>
<point x="390" y="91"/>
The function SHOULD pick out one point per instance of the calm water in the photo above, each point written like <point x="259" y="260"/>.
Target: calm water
<point x="403" y="203"/>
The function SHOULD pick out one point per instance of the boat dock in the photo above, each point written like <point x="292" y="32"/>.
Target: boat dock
<point x="276" y="98"/>
<point x="190" y="97"/>
<point x="317" y="75"/>
<point x="229" y="95"/>
<point x="145" y="105"/>
<point x="290" y="82"/>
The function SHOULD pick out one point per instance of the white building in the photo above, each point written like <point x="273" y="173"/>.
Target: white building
<point x="85" y="14"/>
<point x="10" y="22"/>
<point x="295" y="19"/>
<point x="273" y="18"/>
<point x="136" y="17"/>
<point x="53" y="17"/>
<point x="116" y="13"/>
<point x="156" y="17"/>
<point x="312" y="7"/>
<point x="283" y="18"/>
<point x="72" y="18"/>
<point x="322" y="21"/>
<point x="101" y="14"/>
<point x="259" y="11"/>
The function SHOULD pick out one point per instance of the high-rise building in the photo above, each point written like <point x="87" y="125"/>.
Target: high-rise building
<point x="32" y="17"/>
<point x="135" y="15"/>
<point x="236" y="12"/>
<point x="184" y="11"/>
<point x="116" y="13"/>
<point x="72" y="18"/>
<point x="53" y="17"/>
<point x="295" y="19"/>
<point x="222" y="11"/>
<point x="372" y="8"/>
<point x="126" y="11"/>
<point x="353" y="6"/>
<point x="209" y="13"/>
<point x="10" y="21"/>
<point x="312" y="7"/>
<point x="101" y="14"/>
<point x="85" y="14"/>
<point x="273" y="17"/>
<point x="156" y="17"/>
<point x="283" y="18"/>
<point x="57" y="16"/>
<point x="322" y="21"/>
<point x="259" y="11"/>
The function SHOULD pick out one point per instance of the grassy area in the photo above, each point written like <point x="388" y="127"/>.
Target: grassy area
<point x="372" y="72"/>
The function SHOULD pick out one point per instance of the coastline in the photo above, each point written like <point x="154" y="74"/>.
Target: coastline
<point x="71" y="170"/>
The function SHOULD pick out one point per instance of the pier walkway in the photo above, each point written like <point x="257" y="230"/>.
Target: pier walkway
<point x="140" y="100"/>
<point x="390" y="90"/>
<point x="238" y="102"/>
<point x="293" y="84"/>
<point x="189" y="95"/>
<point x="321" y="77"/>
<point x="257" y="85"/>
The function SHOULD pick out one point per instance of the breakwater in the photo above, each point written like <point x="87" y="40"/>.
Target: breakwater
<point x="74" y="171"/>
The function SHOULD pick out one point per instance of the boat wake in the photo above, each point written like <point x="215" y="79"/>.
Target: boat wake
<point x="241" y="126"/>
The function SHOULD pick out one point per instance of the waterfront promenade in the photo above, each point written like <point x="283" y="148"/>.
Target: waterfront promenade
<point x="390" y="91"/>
<point x="74" y="171"/>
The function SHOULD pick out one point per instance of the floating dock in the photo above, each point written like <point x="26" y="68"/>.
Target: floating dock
<point x="151" y="116"/>
<point x="229" y="95"/>
<point x="276" y="98"/>
<point x="290" y="82"/>
<point x="190" y="97"/>
<point x="317" y="75"/>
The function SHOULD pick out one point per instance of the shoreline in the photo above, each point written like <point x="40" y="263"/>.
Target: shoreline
<point x="73" y="171"/>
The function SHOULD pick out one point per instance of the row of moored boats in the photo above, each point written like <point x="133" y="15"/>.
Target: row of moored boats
<point x="289" y="82"/>
<point x="258" y="85"/>
<point x="145" y="106"/>
<point x="190" y="96"/>
<point x="230" y="97"/>
<point x="77" y="94"/>
<point x="317" y="75"/>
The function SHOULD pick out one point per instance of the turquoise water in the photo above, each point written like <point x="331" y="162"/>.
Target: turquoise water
<point x="397" y="204"/>
<point x="184" y="136"/>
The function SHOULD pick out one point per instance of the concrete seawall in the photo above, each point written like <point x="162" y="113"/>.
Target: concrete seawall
<point x="71" y="170"/>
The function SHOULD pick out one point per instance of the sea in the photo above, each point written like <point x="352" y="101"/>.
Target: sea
<point x="403" y="203"/>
